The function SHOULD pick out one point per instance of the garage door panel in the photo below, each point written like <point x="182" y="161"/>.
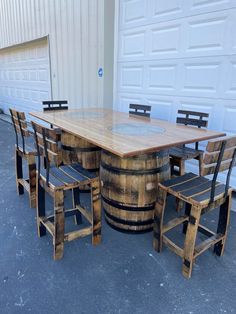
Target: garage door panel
<point x="131" y="77"/>
<point x="143" y="12"/>
<point x="205" y="34"/>
<point x="202" y="35"/>
<point x="164" y="40"/>
<point x="134" y="11"/>
<point x="22" y="84"/>
<point x="133" y="44"/>
<point x="124" y="100"/>
<point x="229" y="78"/>
<point x="169" y="9"/>
<point x="202" y="6"/>
<point x="174" y="102"/>
<point x="229" y="120"/>
<point x="200" y="77"/>
<point x="161" y="108"/>
<point x="25" y="76"/>
<point x="162" y="77"/>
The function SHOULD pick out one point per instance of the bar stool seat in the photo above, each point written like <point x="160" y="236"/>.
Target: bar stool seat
<point x="67" y="177"/>
<point x="185" y="152"/>
<point x="29" y="151"/>
<point x="193" y="189"/>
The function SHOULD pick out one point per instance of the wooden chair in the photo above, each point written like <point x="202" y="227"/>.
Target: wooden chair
<point x="180" y="154"/>
<point x="140" y="110"/>
<point x="55" y="181"/>
<point x="50" y="105"/>
<point x="200" y="195"/>
<point x="24" y="151"/>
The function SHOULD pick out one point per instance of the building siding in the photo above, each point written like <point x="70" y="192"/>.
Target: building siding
<point x="76" y="36"/>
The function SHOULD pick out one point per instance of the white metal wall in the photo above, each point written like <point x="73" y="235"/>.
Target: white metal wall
<point x="176" y="54"/>
<point x="75" y="29"/>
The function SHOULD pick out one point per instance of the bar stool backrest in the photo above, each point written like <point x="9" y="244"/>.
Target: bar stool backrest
<point x="47" y="145"/>
<point x="140" y="110"/>
<point x="220" y="156"/>
<point x="50" y="105"/>
<point x="20" y="126"/>
<point x="193" y="118"/>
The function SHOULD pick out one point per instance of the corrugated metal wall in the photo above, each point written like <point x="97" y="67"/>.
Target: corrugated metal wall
<point x="76" y="38"/>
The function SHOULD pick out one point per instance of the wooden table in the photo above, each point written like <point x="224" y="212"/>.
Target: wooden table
<point x="134" y="158"/>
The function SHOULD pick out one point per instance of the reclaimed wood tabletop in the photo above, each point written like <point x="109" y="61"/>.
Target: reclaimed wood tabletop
<point x="122" y="134"/>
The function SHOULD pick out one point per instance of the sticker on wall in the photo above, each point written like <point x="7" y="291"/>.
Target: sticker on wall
<point x="100" y="72"/>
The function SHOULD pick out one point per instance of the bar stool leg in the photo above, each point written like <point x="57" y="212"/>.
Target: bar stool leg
<point x="200" y="159"/>
<point x="19" y="172"/>
<point x="59" y="224"/>
<point x="187" y="212"/>
<point x="181" y="167"/>
<point x="97" y="212"/>
<point x="180" y="203"/>
<point x="223" y="223"/>
<point x="190" y="239"/>
<point x="158" y="219"/>
<point x="32" y="181"/>
<point x="76" y="201"/>
<point x="40" y="209"/>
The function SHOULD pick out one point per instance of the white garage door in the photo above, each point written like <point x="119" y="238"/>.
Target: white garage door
<point x="24" y="76"/>
<point x="176" y="54"/>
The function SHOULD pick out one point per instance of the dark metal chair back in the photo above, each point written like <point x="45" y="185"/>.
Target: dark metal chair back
<point x="50" y="105"/>
<point x="47" y="145"/>
<point x="220" y="156"/>
<point x="20" y="127"/>
<point x="140" y="110"/>
<point x="193" y="118"/>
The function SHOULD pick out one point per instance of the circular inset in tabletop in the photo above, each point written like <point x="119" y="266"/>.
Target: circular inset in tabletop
<point x="139" y="129"/>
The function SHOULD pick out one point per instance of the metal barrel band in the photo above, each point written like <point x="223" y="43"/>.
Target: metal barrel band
<point x="128" y="231"/>
<point x="93" y="169"/>
<point x="80" y="149"/>
<point x="135" y="172"/>
<point x="128" y="208"/>
<point x="129" y="222"/>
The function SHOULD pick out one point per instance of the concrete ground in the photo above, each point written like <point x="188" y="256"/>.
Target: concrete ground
<point x="122" y="275"/>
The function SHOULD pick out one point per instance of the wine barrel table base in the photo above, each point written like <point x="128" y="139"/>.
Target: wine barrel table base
<point x="78" y="150"/>
<point x="129" y="189"/>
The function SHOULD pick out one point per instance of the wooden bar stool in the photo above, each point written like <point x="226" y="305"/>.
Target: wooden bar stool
<point x="180" y="154"/>
<point x="201" y="195"/>
<point x="54" y="105"/>
<point x="55" y="181"/>
<point x="140" y="110"/>
<point x="25" y="152"/>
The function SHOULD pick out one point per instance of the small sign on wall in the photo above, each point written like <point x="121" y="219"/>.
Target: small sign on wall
<point x="100" y="72"/>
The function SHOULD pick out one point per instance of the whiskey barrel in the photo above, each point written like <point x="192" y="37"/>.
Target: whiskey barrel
<point x="75" y="149"/>
<point x="129" y="189"/>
